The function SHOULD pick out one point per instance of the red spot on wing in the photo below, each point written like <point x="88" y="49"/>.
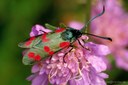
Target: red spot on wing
<point x="64" y="44"/>
<point x="37" y="58"/>
<point x="44" y="35"/>
<point x="31" y="54"/>
<point x="32" y="38"/>
<point x="44" y="38"/>
<point x="46" y="49"/>
<point x="59" y="30"/>
<point x="51" y="52"/>
<point x="29" y="41"/>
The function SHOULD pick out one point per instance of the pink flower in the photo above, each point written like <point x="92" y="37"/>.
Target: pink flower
<point x="38" y="30"/>
<point x="81" y="67"/>
<point x="113" y="23"/>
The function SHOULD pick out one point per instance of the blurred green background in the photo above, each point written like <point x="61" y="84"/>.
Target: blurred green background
<point x="16" y="19"/>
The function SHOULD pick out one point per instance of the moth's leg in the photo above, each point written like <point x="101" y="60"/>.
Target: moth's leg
<point x="50" y="57"/>
<point x="67" y="53"/>
<point x="82" y="45"/>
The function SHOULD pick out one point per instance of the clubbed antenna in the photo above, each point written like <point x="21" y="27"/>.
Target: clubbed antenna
<point x="94" y="17"/>
<point x="106" y="38"/>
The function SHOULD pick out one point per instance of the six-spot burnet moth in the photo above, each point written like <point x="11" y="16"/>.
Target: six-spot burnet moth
<point x="47" y="44"/>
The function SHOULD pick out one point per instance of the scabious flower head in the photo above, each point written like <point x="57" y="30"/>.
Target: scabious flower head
<point x="113" y="23"/>
<point x="82" y="66"/>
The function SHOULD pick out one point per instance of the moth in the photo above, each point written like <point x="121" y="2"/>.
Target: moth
<point x="47" y="44"/>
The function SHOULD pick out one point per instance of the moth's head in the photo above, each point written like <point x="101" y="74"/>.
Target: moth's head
<point x="71" y="34"/>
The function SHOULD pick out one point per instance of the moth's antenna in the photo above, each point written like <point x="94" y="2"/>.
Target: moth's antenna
<point x="94" y="17"/>
<point x="107" y="38"/>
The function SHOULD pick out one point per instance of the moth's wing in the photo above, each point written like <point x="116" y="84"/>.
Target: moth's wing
<point x="30" y="42"/>
<point x="51" y="27"/>
<point x="33" y="55"/>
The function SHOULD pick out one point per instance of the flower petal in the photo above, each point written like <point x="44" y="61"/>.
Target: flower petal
<point x="98" y="49"/>
<point x="35" y="68"/>
<point x="38" y="30"/>
<point x="40" y="80"/>
<point x="97" y="63"/>
<point x="76" y="25"/>
<point x="122" y="59"/>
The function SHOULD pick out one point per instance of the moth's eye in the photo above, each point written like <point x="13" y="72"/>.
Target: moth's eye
<point x="69" y="35"/>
